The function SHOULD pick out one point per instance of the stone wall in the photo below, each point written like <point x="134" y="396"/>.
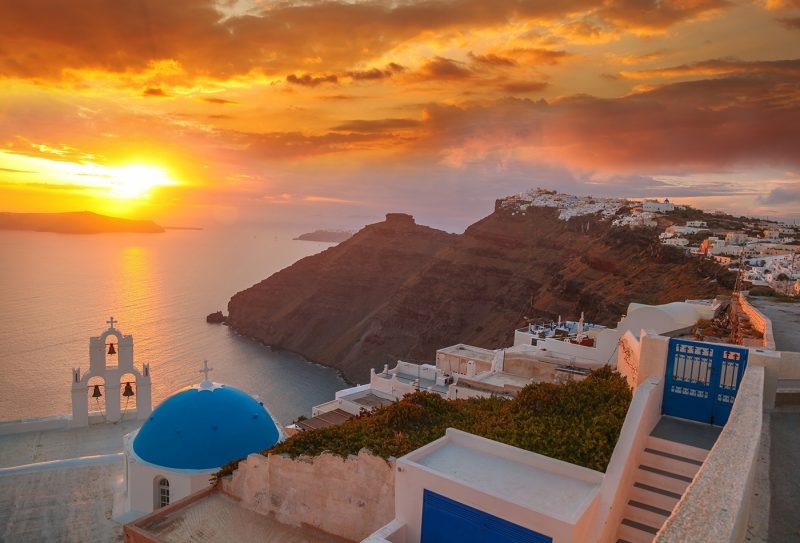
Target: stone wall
<point x="628" y="355"/>
<point x="716" y="505"/>
<point x="759" y="322"/>
<point x="350" y="498"/>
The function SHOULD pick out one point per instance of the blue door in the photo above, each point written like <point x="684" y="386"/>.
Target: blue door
<point x="448" y="521"/>
<point x="702" y="380"/>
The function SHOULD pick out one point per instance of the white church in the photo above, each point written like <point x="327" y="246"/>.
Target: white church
<point x="183" y="442"/>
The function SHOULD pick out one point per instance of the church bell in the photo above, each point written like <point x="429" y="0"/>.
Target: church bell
<point x="96" y="393"/>
<point x="111" y="349"/>
<point x="128" y="392"/>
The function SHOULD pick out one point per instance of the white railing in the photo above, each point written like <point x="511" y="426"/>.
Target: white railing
<point x="716" y="506"/>
<point x="643" y="414"/>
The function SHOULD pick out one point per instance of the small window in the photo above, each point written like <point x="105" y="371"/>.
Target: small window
<point x="163" y="493"/>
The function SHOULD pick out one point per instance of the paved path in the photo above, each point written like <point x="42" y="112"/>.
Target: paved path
<point x="68" y="504"/>
<point x="784" y="423"/>
<point x="58" y="485"/>
<point x="34" y="447"/>
<point x="784" y="476"/>
<point x="785" y="317"/>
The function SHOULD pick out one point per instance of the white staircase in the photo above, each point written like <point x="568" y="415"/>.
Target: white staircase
<point x="665" y="470"/>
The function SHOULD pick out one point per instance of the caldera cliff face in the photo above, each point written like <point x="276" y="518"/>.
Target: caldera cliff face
<point x="398" y="290"/>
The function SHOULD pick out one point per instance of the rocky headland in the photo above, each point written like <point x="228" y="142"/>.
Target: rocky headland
<point x="326" y="236"/>
<point x="79" y="222"/>
<point x="401" y="290"/>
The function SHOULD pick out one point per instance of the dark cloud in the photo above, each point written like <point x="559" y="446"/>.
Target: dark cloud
<point x="522" y="87"/>
<point x="492" y="60"/>
<point x="376" y="73"/>
<point x="654" y="15"/>
<point x="530" y="55"/>
<point x="339" y="97"/>
<point x="704" y="125"/>
<point x="42" y="38"/>
<point x="308" y="80"/>
<point x="295" y="145"/>
<point x="220" y="101"/>
<point x="154" y="92"/>
<point x="790" y="22"/>
<point x="372" y="126"/>
<point x="716" y="67"/>
<point x="55" y="186"/>
<point x="782" y="195"/>
<point x="441" y="68"/>
<point x="12" y="170"/>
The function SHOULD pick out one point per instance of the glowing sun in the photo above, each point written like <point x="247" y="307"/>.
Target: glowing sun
<point x="136" y="180"/>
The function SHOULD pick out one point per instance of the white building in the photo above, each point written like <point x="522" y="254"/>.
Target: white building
<point x="696" y="224"/>
<point x="658" y="207"/>
<point x="188" y="438"/>
<point x="676" y="242"/>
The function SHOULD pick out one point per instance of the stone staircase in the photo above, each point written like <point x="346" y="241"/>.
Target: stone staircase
<point x="665" y="470"/>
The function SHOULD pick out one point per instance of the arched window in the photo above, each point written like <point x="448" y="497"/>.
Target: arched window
<point x="163" y="493"/>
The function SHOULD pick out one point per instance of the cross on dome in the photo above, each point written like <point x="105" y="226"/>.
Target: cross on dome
<point x="111" y="322"/>
<point x="205" y="370"/>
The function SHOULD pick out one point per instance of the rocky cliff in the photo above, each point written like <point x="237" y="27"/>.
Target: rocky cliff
<point x="400" y="290"/>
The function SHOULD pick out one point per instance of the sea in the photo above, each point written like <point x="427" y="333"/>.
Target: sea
<point x="57" y="290"/>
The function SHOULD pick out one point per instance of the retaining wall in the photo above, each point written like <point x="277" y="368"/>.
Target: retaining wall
<point x="350" y="498"/>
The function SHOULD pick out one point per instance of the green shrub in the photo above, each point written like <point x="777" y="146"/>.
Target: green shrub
<point x="578" y="422"/>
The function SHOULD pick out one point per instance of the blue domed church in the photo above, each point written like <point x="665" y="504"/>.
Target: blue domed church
<point x="188" y="437"/>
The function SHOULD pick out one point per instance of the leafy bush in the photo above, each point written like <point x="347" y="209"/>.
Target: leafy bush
<point x="577" y="422"/>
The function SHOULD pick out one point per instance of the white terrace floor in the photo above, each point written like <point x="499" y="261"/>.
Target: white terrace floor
<point x="59" y="485"/>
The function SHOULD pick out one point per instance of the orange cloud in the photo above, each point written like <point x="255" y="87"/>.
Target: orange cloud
<point x="193" y="39"/>
<point x="720" y="67"/>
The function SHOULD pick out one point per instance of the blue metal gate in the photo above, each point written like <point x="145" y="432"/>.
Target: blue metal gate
<point x="702" y="380"/>
<point x="448" y="521"/>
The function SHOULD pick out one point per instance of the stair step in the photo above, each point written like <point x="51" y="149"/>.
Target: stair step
<point x="636" y="532"/>
<point x="659" y="478"/>
<point x="679" y="449"/>
<point x="654" y="496"/>
<point x="646" y="513"/>
<point x="673" y="463"/>
<point x="784" y="398"/>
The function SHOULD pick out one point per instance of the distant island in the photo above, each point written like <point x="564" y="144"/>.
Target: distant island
<point x="78" y="222"/>
<point x="328" y="236"/>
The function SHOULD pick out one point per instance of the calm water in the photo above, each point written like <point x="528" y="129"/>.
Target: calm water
<point x="58" y="290"/>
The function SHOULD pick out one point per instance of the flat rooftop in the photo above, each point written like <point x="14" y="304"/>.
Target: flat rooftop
<point x="424" y="384"/>
<point x="66" y="504"/>
<point x="42" y="499"/>
<point x="217" y="517"/>
<point x="41" y="446"/>
<point x="502" y="379"/>
<point x="368" y="399"/>
<point x="539" y="483"/>
<point x="325" y="420"/>
<point x="469" y="351"/>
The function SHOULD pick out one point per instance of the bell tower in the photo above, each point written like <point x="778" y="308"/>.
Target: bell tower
<point x="110" y="358"/>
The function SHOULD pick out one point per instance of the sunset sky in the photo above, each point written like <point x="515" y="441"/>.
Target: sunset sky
<point x="331" y="114"/>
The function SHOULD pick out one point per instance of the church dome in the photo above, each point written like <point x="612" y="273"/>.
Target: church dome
<point x="205" y="427"/>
